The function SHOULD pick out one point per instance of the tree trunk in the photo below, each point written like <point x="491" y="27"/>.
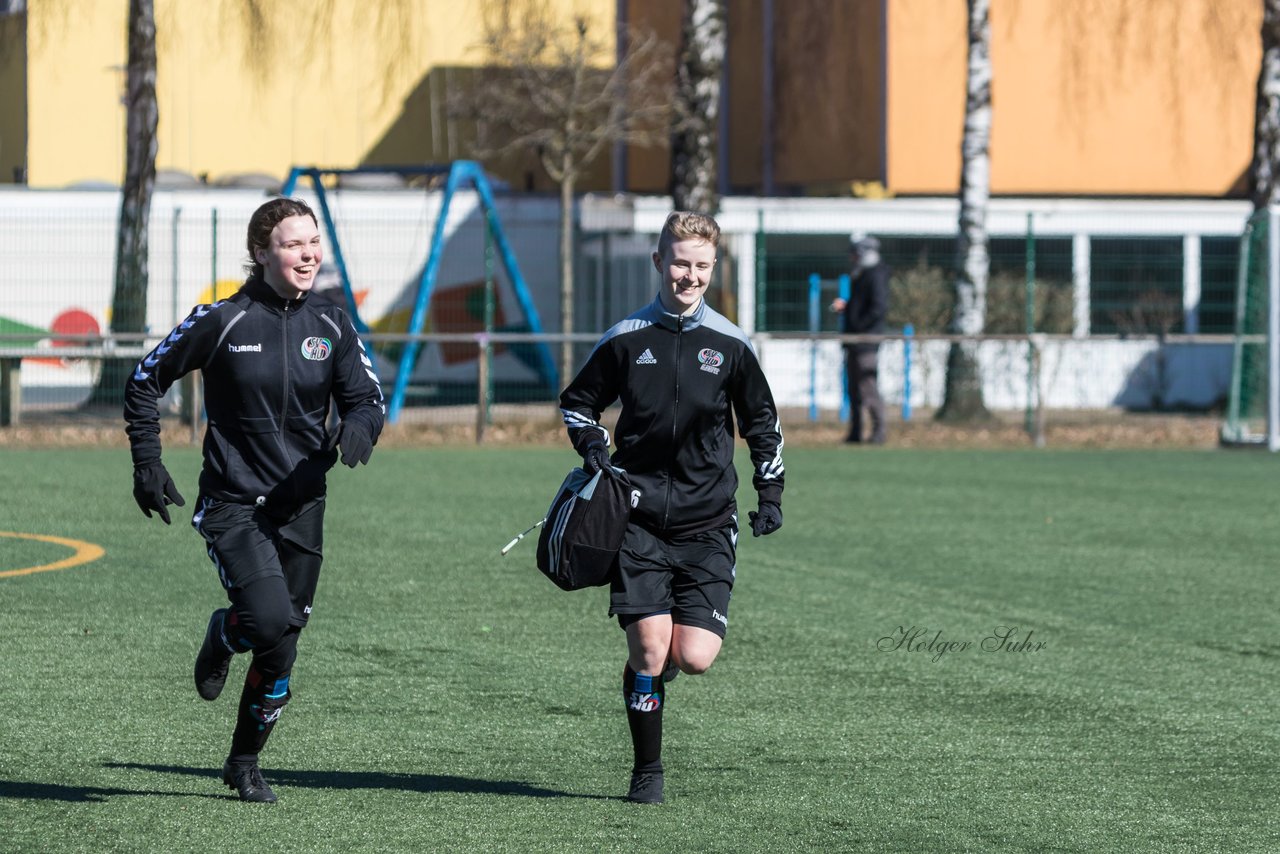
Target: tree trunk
<point x="566" y="272"/>
<point x="694" y="140"/>
<point x="963" y="396"/>
<point x="129" y="296"/>
<point x="1264" y="186"/>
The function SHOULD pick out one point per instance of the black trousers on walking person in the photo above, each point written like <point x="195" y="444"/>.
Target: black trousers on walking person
<point x="269" y="566"/>
<point x="861" y="366"/>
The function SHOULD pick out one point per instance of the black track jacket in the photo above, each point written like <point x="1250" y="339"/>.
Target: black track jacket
<point x="681" y="381"/>
<point x="270" y="367"/>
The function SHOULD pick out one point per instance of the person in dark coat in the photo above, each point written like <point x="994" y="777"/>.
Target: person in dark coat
<point x="863" y="314"/>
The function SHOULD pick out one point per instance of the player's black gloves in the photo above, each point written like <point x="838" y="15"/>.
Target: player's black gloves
<point x="153" y="489"/>
<point x="595" y="458"/>
<point x="356" y="443"/>
<point x="766" y="520"/>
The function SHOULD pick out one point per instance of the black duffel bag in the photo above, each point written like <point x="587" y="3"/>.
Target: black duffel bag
<point x="579" y="542"/>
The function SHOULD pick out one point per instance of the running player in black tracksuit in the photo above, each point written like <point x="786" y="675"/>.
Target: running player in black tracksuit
<point x="683" y="374"/>
<point x="271" y="360"/>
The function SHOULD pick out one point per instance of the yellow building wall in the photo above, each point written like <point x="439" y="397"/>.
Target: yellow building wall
<point x="368" y="86"/>
<point x="75" y="83"/>
<point x="1113" y="97"/>
<point x="1109" y="97"/>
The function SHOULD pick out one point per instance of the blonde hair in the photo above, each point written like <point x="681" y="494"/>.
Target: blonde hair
<point x="687" y="225"/>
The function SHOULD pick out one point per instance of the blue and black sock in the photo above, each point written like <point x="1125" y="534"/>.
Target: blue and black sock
<point x="261" y="703"/>
<point x="644" y="697"/>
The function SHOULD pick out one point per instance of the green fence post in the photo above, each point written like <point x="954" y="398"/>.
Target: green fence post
<point x="213" y="255"/>
<point x="760" y="265"/>
<point x="174" y="309"/>
<point x="484" y="414"/>
<point x="1031" y="323"/>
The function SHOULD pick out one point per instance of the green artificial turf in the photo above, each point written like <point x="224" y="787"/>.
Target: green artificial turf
<point x="449" y="699"/>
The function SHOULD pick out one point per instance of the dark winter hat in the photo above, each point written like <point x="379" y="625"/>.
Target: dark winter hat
<point x="862" y="242"/>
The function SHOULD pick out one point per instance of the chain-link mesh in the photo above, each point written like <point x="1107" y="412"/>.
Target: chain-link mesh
<point x="1246" y="407"/>
<point x="1112" y="302"/>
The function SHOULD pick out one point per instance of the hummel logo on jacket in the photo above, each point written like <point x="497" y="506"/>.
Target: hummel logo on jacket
<point x="279" y="362"/>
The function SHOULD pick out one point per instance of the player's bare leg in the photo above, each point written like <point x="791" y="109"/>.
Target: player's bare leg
<point x="694" y="649"/>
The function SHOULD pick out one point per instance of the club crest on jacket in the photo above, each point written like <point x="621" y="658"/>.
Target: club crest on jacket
<point x="711" y="360"/>
<point x="316" y="349"/>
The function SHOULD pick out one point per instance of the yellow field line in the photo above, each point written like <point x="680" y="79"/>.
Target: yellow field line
<point x="84" y="552"/>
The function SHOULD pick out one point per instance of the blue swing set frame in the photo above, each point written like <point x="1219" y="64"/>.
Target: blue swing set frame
<point x="459" y="174"/>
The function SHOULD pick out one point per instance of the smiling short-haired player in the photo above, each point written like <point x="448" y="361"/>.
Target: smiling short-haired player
<point x="685" y="374"/>
<point x="272" y="360"/>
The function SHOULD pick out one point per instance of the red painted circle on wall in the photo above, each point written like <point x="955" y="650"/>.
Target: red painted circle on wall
<point x="73" y="321"/>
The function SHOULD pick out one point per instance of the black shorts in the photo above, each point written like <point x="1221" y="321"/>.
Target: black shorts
<point x="692" y="577"/>
<point x="246" y="543"/>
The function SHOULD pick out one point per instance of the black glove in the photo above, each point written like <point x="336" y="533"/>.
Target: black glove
<point x="595" y="458"/>
<point x="356" y="443"/>
<point x="153" y="489"/>
<point x="767" y="520"/>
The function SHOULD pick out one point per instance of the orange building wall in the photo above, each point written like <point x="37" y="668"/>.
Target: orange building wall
<point x="1108" y="97"/>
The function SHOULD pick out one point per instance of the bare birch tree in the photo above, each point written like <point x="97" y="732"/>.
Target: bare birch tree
<point x="1264" y="171"/>
<point x="543" y="90"/>
<point x="694" y="142"/>
<point x="963" y="391"/>
<point x="129" y="293"/>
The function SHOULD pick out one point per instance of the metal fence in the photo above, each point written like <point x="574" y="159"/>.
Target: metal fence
<point x="1127" y="300"/>
<point x="1034" y="380"/>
